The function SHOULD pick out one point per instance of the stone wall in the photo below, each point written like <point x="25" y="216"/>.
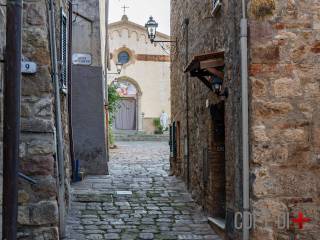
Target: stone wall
<point x="38" y="205"/>
<point x="284" y="94"/>
<point x="207" y="33"/>
<point x="38" y="215"/>
<point x="285" y="113"/>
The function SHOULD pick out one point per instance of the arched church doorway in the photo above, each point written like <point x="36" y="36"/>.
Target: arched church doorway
<point x="127" y="116"/>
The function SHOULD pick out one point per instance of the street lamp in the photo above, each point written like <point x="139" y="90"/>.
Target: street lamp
<point x="151" y="27"/>
<point x="217" y="87"/>
<point x="119" y="68"/>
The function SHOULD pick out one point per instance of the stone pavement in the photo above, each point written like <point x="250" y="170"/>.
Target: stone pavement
<point x="137" y="201"/>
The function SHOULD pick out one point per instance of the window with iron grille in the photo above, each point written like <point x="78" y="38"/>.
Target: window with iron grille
<point x="173" y="140"/>
<point x="64" y="53"/>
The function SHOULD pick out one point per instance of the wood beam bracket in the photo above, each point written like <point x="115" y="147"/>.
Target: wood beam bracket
<point x="205" y="66"/>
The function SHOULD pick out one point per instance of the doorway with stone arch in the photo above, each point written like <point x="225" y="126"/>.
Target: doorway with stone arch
<point x="128" y="116"/>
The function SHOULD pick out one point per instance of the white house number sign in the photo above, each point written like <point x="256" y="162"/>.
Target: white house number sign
<point x="28" y="67"/>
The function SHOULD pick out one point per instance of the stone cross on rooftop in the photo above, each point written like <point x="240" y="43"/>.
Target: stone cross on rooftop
<point x="124" y="9"/>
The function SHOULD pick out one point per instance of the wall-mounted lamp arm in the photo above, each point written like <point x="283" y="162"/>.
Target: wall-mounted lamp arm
<point x="154" y="41"/>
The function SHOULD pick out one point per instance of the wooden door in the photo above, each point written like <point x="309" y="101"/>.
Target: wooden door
<point x="126" y="115"/>
<point x="217" y="162"/>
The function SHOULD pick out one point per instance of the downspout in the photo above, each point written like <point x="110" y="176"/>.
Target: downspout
<point x="11" y="122"/>
<point x="245" y="122"/>
<point x="106" y="69"/>
<point x="186" y="23"/>
<point x="73" y="165"/>
<point x="58" y="121"/>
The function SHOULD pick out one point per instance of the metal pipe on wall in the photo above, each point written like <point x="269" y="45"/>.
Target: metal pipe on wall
<point x="58" y="121"/>
<point x="72" y="157"/>
<point x="106" y="69"/>
<point x="11" y="127"/>
<point x="245" y="122"/>
<point x="186" y="23"/>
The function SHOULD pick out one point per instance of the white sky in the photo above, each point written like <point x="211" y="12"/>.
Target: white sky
<point x="139" y="12"/>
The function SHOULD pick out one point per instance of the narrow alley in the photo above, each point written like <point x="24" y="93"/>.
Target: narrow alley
<point x="159" y="119"/>
<point x="138" y="200"/>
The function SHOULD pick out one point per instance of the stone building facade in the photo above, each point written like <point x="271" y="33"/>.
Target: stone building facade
<point x="144" y="83"/>
<point x="283" y="89"/>
<point x="40" y="214"/>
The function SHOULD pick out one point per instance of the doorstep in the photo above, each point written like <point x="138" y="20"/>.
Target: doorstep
<point x="218" y="225"/>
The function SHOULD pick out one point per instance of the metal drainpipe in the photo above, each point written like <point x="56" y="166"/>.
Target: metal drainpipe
<point x="106" y="69"/>
<point x="245" y="122"/>
<point x="70" y="90"/>
<point x="11" y="122"/>
<point x="186" y="23"/>
<point x="58" y="121"/>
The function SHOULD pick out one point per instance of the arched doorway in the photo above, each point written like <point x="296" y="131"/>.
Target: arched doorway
<point x="128" y="116"/>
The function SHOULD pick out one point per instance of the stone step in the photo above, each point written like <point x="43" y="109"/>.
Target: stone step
<point x="140" y="136"/>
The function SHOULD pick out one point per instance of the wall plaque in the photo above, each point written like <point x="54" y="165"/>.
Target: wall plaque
<point x="81" y="59"/>
<point x="28" y="67"/>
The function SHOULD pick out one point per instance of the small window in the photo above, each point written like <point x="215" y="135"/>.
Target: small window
<point x="173" y="140"/>
<point x="216" y="5"/>
<point x="64" y="53"/>
<point x="123" y="57"/>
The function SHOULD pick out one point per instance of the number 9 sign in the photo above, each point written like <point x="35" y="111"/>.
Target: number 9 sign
<point x="28" y="67"/>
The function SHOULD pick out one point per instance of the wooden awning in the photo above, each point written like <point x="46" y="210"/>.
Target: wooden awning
<point x="207" y="65"/>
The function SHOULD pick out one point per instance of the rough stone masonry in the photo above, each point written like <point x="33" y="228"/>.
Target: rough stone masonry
<point x="38" y="207"/>
<point x="38" y="214"/>
<point x="284" y="43"/>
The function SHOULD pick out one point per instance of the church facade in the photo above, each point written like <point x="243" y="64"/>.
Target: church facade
<point x="144" y="82"/>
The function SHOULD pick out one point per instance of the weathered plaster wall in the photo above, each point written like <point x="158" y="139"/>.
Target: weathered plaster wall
<point x="285" y="113"/>
<point x="88" y="94"/>
<point x="103" y="21"/>
<point x="86" y="29"/>
<point x="88" y="116"/>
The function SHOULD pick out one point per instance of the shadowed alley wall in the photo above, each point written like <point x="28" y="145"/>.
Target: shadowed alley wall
<point x="283" y="110"/>
<point x="88" y="121"/>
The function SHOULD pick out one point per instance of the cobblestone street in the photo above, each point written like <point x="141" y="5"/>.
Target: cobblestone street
<point x="138" y="200"/>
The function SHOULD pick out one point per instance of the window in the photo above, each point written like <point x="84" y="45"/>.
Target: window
<point x="123" y="57"/>
<point x="216" y="4"/>
<point x="64" y="52"/>
<point x="173" y="140"/>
